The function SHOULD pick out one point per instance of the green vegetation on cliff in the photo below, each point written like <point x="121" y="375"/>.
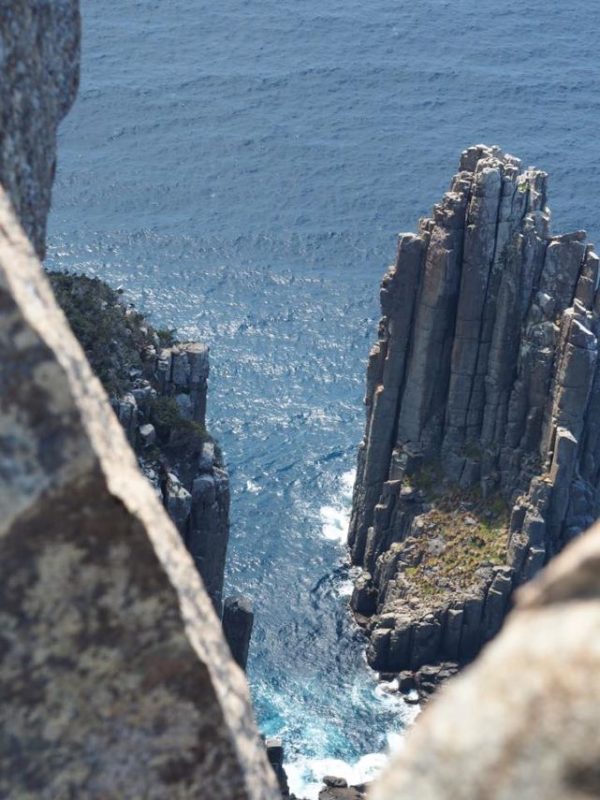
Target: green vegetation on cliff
<point x="113" y="336"/>
<point x="117" y="339"/>
<point x="464" y="532"/>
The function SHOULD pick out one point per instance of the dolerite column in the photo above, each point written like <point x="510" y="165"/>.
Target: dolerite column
<point x="482" y="396"/>
<point x="238" y="619"/>
<point x="275" y="754"/>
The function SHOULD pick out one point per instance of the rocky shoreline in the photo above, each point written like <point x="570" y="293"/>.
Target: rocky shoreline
<point x="481" y="453"/>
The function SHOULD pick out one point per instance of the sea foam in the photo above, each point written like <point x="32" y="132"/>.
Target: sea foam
<point x="336" y="518"/>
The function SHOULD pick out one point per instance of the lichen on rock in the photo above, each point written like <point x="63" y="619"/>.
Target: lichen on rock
<point x="114" y="675"/>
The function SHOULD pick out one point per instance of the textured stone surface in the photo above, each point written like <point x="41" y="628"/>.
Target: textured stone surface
<point x="522" y="721"/>
<point x="115" y="677"/>
<point x="39" y="73"/>
<point x="338" y="789"/>
<point x="185" y="469"/>
<point x="482" y="416"/>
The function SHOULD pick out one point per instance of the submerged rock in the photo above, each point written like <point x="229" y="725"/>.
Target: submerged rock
<point x="481" y="455"/>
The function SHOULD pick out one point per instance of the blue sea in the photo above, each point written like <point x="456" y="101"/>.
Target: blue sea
<point x="242" y="169"/>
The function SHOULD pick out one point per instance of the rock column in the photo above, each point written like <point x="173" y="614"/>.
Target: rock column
<point x="481" y="448"/>
<point x="238" y="619"/>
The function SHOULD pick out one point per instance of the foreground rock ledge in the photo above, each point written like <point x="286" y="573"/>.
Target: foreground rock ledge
<point x="114" y="676"/>
<point x="522" y="721"/>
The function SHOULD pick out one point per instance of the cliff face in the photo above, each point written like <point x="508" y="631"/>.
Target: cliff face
<point x="39" y="74"/>
<point x="481" y="455"/>
<point x="158" y="389"/>
<point x="164" y="416"/>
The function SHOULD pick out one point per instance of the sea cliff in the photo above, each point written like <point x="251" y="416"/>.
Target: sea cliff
<point x="480" y="461"/>
<point x="158" y="388"/>
<point x="481" y="453"/>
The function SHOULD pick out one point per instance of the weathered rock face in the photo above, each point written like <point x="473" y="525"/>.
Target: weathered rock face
<point x="522" y="721"/>
<point x="114" y="675"/>
<point x="158" y="389"/>
<point x="39" y="73"/>
<point x="481" y="456"/>
<point x="164" y="417"/>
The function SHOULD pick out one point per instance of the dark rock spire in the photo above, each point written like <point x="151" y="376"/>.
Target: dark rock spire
<point x="481" y="454"/>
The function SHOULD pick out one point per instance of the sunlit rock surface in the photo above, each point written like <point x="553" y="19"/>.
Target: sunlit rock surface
<point x="522" y="721"/>
<point x="114" y="675"/>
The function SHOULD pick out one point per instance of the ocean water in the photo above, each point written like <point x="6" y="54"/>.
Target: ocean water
<point x="242" y="169"/>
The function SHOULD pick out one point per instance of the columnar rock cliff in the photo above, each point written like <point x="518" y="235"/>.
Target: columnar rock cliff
<point x="158" y="389"/>
<point x="164" y="416"/>
<point x="481" y="455"/>
<point x="39" y="75"/>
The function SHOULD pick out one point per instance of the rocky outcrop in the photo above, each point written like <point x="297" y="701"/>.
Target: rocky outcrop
<point x="338" y="789"/>
<point x="522" y="721"/>
<point x="39" y="74"/>
<point x="481" y="455"/>
<point x="158" y="389"/>
<point x="114" y="675"/>
<point x="164" y="416"/>
<point x="238" y="619"/>
<point x="275" y="755"/>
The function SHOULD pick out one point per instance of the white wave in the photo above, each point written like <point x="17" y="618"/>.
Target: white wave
<point x="345" y="588"/>
<point x="387" y="692"/>
<point x="387" y="687"/>
<point x="334" y="522"/>
<point x="306" y="776"/>
<point x="347" y="482"/>
<point x="335" y="519"/>
<point x="252" y="487"/>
